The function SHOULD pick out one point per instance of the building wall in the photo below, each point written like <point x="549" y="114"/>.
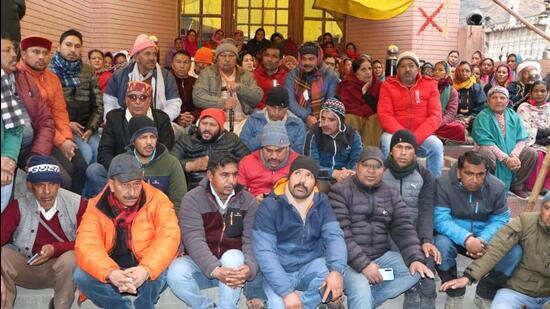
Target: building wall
<point x="108" y="25"/>
<point x="520" y="40"/>
<point x="373" y="37"/>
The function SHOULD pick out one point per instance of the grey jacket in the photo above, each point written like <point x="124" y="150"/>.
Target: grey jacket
<point x="369" y="217"/>
<point x="418" y="192"/>
<point x="207" y="90"/>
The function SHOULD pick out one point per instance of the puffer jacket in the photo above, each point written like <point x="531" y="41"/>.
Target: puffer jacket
<point x="190" y="147"/>
<point x="417" y="109"/>
<point x="265" y="81"/>
<point x="155" y="235"/>
<point x="370" y="219"/>
<point x="85" y="102"/>
<point x="532" y="276"/>
<point x="207" y="91"/>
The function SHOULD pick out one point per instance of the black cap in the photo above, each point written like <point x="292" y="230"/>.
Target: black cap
<point x="305" y="163"/>
<point x="139" y="125"/>
<point x="403" y="136"/>
<point x="277" y="96"/>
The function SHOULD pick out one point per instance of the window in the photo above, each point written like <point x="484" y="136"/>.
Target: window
<point x="272" y="15"/>
<point x="205" y="16"/>
<point x="317" y="22"/>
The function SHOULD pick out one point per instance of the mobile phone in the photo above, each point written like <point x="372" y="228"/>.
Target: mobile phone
<point x="387" y="273"/>
<point x="322" y="292"/>
<point x="33" y="258"/>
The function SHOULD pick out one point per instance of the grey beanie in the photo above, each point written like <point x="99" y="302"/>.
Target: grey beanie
<point x="274" y="134"/>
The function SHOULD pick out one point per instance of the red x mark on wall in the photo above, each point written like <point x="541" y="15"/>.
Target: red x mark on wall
<point x="430" y="19"/>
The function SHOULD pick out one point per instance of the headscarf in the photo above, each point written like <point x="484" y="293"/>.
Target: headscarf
<point x="444" y="85"/>
<point x="191" y="47"/>
<point x="485" y="78"/>
<point x="494" y="81"/>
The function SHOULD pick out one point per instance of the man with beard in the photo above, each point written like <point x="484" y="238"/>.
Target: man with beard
<point x="270" y="73"/>
<point x="116" y="135"/>
<point x="275" y="110"/>
<point x="260" y="170"/>
<point x="310" y="84"/>
<point x="82" y="93"/>
<point x="206" y="140"/>
<point x="333" y="144"/>
<point x="410" y="101"/>
<point x="34" y="55"/>
<point x="298" y="243"/>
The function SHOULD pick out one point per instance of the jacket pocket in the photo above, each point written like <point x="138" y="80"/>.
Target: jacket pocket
<point x="234" y="222"/>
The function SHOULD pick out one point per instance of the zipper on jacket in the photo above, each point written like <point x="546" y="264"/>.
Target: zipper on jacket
<point x="221" y="239"/>
<point x="334" y="156"/>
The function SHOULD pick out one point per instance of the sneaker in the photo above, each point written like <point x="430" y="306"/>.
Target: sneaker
<point x="482" y="303"/>
<point x="454" y="302"/>
<point x="520" y="193"/>
<point x="255" y="303"/>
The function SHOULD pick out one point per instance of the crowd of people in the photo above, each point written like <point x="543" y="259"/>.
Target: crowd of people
<point x="288" y="173"/>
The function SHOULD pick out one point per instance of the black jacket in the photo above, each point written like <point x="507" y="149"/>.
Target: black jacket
<point x="190" y="147"/>
<point x="116" y="137"/>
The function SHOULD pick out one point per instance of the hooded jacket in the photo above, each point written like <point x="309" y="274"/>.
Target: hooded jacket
<point x="459" y="213"/>
<point x="417" y="108"/>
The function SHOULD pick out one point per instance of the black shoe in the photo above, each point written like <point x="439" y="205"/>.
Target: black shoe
<point x="51" y="306"/>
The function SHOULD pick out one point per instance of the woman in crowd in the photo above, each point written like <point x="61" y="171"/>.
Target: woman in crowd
<point x="190" y="42"/>
<point x="476" y="58"/>
<point x="471" y="98"/>
<point x="238" y="36"/>
<point x="108" y="61"/>
<point x="453" y="58"/>
<point x="378" y="70"/>
<point x="246" y="61"/>
<point x="451" y="128"/>
<point x="330" y="49"/>
<point x="121" y="58"/>
<point x="535" y="114"/>
<point x="427" y="69"/>
<point x="351" y="51"/>
<point x="345" y="68"/>
<point x="215" y="40"/>
<point x="527" y="73"/>
<point x="513" y="60"/>
<point x="258" y="43"/>
<point x="476" y="72"/>
<point x="487" y="70"/>
<point x="502" y="77"/>
<point x="359" y="92"/>
<point x="502" y="138"/>
<point x="97" y="62"/>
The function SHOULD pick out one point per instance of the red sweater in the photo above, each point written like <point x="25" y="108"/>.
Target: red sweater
<point x="265" y="81"/>
<point x="10" y="221"/>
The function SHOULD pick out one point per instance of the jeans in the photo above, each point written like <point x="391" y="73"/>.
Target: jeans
<point x="487" y="286"/>
<point x="96" y="179"/>
<point x="308" y="279"/>
<point x="6" y="195"/>
<point x="507" y="298"/>
<point x="363" y="295"/>
<point x="254" y="288"/>
<point x="432" y="149"/>
<point x="186" y="280"/>
<point x="88" y="149"/>
<point x="105" y="295"/>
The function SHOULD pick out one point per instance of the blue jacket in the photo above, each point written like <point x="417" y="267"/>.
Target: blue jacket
<point x="295" y="127"/>
<point x="330" y="81"/>
<point x="333" y="153"/>
<point x="459" y="213"/>
<point x="283" y="243"/>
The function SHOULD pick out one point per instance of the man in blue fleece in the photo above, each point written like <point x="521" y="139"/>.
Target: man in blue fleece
<point x="298" y="243"/>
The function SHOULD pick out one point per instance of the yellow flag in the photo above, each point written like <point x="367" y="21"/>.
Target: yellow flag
<point x="366" y="9"/>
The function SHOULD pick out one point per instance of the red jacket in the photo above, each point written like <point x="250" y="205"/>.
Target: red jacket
<point x="256" y="177"/>
<point x="351" y="94"/>
<point x="417" y="109"/>
<point x="266" y="82"/>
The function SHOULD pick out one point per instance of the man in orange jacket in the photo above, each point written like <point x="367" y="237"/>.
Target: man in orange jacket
<point x="127" y="238"/>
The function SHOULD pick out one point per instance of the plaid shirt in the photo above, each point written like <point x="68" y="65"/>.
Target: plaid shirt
<point x="12" y="114"/>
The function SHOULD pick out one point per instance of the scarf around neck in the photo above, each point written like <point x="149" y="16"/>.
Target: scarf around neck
<point x="124" y="216"/>
<point x="467" y="84"/>
<point x="67" y="71"/>
<point x="278" y="167"/>
<point x="157" y="84"/>
<point x="444" y="87"/>
<point x="314" y="90"/>
<point x="12" y="114"/>
<point x="400" y="172"/>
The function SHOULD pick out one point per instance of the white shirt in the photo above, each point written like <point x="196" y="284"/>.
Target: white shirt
<point x="149" y="115"/>
<point x="218" y="200"/>
<point x="48" y="214"/>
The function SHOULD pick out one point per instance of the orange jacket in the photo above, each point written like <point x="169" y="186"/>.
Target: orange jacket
<point x="155" y="235"/>
<point x="50" y="88"/>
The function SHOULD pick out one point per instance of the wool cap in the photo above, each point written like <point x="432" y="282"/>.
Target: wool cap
<point x="227" y="45"/>
<point x="217" y="113"/>
<point x="125" y="168"/>
<point x="34" y="40"/>
<point x="274" y="134"/>
<point x="203" y="55"/>
<point x="306" y="163"/>
<point x="403" y="136"/>
<point x="277" y="96"/>
<point x="371" y="152"/>
<point x="142" y="42"/>
<point x="521" y="66"/>
<point x="546" y="197"/>
<point x="43" y="169"/>
<point x="140" y="125"/>
<point x="139" y="87"/>
<point x="498" y="89"/>
<point x="309" y="48"/>
<point x="408" y="55"/>
<point x="336" y="106"/>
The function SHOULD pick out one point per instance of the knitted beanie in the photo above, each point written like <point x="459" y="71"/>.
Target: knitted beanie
<point x="336" y="106"/>
<point x="43" y="169"/>
<point x="403" y="136"/>
<point x="142" y="42"/>
<point x="140" y="125"/>
<point x="274" y="134"/>
<point x="306" y="163"/>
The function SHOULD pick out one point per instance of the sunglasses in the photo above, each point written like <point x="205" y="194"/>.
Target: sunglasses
<point x="136" y="97"/>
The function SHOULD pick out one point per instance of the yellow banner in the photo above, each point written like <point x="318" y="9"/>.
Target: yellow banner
<point x="366" y="9"/>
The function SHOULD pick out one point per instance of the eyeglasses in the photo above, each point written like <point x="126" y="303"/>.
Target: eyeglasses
<point x="136" y="97"/>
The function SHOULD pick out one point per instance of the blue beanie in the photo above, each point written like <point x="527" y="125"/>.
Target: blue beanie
<point x="43" y="169"/>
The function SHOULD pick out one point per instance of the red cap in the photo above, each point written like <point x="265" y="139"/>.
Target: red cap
<point x="138" y="86"/>
<point x="217" y="113"/>
<point x="31" y="41"/>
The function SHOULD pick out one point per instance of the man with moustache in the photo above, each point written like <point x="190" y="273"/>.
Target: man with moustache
<point x="146" y="69"/>
<point x="410" y="101"/>
<point x="270" y="73"/>
<point x="310" y="84"/>
<point x="206" y="140"/>
<point x="181" y="63"/>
